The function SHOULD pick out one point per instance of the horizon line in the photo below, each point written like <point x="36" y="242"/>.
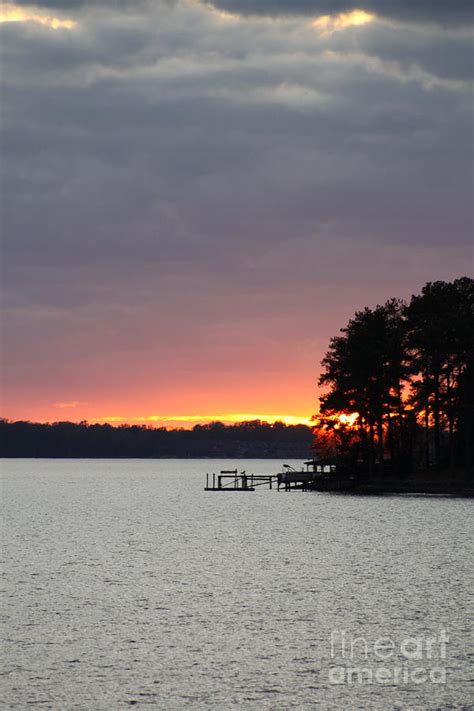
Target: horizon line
<point x="168" y="421"/>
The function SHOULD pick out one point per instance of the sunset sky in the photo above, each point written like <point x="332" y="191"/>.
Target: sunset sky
<point x="197" y="196"/>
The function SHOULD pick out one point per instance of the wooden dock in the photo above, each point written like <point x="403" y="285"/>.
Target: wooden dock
<point x="318" y="475"/>
<point x="232" y="480"/>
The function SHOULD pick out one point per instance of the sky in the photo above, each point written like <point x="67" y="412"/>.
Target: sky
<point x="196" y="196"/>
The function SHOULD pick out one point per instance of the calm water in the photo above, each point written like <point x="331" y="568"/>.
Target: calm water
<point x="127" y="584"/>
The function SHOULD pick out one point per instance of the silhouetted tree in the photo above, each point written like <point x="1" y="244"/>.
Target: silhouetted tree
<point x="404" y="369"/>
<point x="440" y="345"/>
<point x="364" y="369"/>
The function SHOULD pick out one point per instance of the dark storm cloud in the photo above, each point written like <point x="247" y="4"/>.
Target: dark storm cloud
<point x="456" y="12"/>
<point x="112" y="5"/>
<point x="125" y="131"/>
<point x="171" y="166"/>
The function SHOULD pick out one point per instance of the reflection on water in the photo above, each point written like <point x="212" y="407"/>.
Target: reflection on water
<point x="127" y="584"/>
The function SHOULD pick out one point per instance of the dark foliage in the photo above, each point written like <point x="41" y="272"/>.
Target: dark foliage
<point x="405" y="373"/>
<point x="66" y="439"/>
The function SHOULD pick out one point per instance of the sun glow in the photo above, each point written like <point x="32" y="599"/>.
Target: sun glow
<point x="348" y="420"/>
<point x="337" y="420"/>
<point x="9" y="12"/>
<point x="328" y="24"/>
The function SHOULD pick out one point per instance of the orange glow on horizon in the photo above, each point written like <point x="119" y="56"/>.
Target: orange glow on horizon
<point x="67" y="411"/>
<point x="191" y="420"/>
<point x="328" y="422"/>
<point x="161" y="406"/>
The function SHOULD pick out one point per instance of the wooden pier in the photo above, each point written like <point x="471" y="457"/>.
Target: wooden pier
<point x="317" y="475"/>
<point x="232" y="480"/>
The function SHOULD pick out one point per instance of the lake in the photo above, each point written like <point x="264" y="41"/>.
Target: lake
<point x="128" y="585"/>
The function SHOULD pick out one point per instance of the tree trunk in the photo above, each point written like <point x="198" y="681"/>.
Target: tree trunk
<point x="371" y="450"/>
<point x="437" y="423"/>
<point x="380" y="444"/>
<point x="427" y="435"/>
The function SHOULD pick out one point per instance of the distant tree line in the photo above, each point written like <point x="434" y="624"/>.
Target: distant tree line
<point x="402" y="376"/>
<point x="254" y="439"/>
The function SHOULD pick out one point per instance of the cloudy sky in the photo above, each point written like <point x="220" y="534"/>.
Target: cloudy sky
<point x="197" y="196"/>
